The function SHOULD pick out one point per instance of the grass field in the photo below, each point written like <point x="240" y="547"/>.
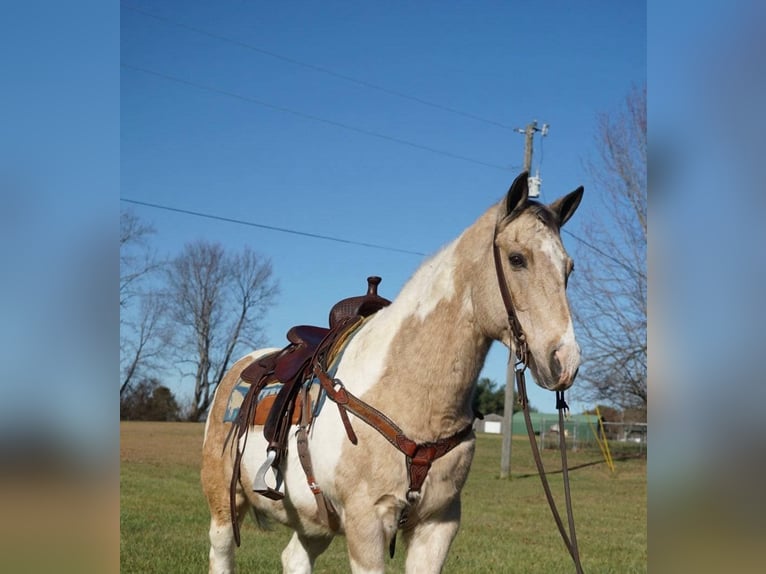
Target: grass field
<point x="506" y="526"/>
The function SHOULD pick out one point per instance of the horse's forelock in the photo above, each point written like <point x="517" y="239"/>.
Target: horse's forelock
<point x="540" y="211"/>
<point x="545" y="214"/>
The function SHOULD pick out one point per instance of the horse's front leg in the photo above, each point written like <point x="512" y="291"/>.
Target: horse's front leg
<point x="369" y="533"/>
<point x="299" y="555"/>
<point x="429" y="541"/>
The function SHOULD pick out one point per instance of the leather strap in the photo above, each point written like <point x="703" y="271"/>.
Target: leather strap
<point x="419" y="456"/>
<point x="522" y="354"/>
<point x="517" y="333"/>
<point x="571" y="544"/>
<point x="325" y="510"/>
<point x="519" y="340"/>
<point x="240" y="427"/>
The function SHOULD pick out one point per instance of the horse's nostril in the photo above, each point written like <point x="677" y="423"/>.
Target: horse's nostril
<point x="555" y="365"/>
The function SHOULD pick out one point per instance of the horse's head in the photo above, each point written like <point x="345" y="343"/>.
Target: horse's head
<point x="535" y="268"/>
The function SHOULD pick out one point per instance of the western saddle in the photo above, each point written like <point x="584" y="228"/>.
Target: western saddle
<point x="292" y="368"/>
<point x="308" y="358"/>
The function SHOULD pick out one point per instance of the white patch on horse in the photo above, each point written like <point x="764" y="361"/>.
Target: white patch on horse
<point x="435" y="277"/>
<point x="365" y="357"/>
<point x="569" y="350"/>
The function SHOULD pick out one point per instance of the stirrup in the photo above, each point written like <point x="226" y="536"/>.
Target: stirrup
<point x="259" y="483"/>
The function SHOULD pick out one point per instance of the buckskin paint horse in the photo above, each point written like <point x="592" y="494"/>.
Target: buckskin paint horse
<point x="415" y="361"/>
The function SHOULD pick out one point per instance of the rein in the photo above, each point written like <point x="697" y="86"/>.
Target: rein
<point x="519" y="341"/>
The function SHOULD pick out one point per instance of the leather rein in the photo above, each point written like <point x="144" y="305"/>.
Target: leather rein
<point x="420" y="456"/>
<point x="519" y="343"/>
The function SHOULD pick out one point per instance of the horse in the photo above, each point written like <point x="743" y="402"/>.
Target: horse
<point x="416" y="361"/>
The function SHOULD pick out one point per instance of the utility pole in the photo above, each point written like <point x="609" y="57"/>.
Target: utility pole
<point x="505" y="457"/>
<point x="534" y="191"/>
<point x="529" y="134"/>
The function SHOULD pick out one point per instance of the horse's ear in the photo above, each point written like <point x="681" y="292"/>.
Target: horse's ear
<point x="517" y="196"/>
<point x="564" y="207"/>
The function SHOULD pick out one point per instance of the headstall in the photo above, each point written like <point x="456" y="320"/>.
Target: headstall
<point x="520" y="346"/>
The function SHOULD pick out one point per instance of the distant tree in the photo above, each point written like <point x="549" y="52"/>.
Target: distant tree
<point x="148" y="400"/>
<point x="142" y="334"/>
<point x="136" y="258"/>
<point x="489" y="398"/>
<point x="608" y="414"/>
<point x="215" y="302"/>
<point x="609" y="285"/>
<point x="163" y="405"/>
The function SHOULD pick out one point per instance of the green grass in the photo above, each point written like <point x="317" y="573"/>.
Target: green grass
<point x="506" y="526"/>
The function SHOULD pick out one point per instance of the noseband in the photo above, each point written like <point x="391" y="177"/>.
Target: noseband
<point x="520" y="345"/>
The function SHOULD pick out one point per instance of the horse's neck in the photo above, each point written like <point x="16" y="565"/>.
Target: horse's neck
<point x="432" y="345"/>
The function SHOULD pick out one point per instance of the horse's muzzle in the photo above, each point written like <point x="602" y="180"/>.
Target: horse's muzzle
<point x="564" y="364"/>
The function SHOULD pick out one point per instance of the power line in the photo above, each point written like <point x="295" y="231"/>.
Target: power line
<point x="312" y="117"/>
<point x="600" y="252"/>
<point x="341" y="76"/>
<point x="320" y="69"/>
<point x="328" y="237"/>
<point x="269" y="227"/>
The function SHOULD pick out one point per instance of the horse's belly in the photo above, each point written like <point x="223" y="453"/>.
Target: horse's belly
<point x="299" y="498"/>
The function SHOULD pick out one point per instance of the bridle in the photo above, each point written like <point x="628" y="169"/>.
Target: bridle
<point x="519" y="344"/>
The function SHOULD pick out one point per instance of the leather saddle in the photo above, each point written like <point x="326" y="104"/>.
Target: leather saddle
<point x="291" y="367"/>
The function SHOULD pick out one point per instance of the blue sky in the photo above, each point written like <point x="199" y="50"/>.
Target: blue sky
<point x="287" y="115"/>
<point x="60" y="178"/>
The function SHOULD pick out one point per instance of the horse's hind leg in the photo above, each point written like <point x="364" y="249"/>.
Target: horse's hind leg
<point x="222" y="532"/>
<point x="216" y="477"/>
<point x="299" y="555"/>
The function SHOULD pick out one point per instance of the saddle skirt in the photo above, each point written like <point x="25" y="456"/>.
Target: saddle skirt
<point x="270" y="390"/>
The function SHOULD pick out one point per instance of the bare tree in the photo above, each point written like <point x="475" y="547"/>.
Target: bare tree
<point x="136" y="258"/>
<point x="143" y="339"/>
<point x="609" y="288"/>
<point x="142" y="335"/>
<point x="216" y="302"/>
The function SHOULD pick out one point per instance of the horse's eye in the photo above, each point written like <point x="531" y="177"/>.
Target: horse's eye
<point x="517" y="260"/>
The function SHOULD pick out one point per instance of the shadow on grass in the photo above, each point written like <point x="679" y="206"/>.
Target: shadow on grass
<point x="583" y="465"/>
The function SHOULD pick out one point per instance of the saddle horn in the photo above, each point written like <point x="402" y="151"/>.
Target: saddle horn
<point x="363" y="305"/>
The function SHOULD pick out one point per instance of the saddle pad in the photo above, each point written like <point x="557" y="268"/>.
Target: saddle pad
<point x="266" y="399"/>
<point x="269" y="393"/>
